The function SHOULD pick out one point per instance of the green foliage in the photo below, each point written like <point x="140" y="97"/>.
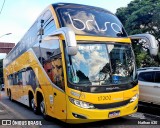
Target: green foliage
<point x="142" y="16"/>
<point x="140" y="58"/>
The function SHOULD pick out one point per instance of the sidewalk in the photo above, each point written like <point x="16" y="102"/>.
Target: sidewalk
<point x="7" y="113"/>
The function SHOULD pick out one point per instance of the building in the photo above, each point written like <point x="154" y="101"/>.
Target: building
<point x="6" y="47"/>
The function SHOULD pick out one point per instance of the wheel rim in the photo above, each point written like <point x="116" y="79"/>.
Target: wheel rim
<point x="42" y="108"/>
<point x="32" y="104"/>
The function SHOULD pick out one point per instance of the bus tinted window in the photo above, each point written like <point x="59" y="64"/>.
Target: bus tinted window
<point x="15" y="79"/>
<point x="10" y="78"/>
<point x="50" y="27"/>
<point x="31" y="78"/>
<point x="20" y="78"/>
<point x="87" y="21"/>
<point x="52" y="61"/>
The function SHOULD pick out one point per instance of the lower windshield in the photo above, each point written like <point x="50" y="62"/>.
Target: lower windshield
<point x="101" y="64"/>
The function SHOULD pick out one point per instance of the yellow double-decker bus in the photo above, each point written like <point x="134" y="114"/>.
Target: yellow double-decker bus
<point x="75" y="64"/>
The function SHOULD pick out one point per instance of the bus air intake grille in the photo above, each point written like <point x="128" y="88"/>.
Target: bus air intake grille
<point x="111" y="105"/>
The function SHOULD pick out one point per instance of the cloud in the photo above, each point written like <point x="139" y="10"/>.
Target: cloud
<point x="91" y="61"/>
<point x="96" y="63"/>
<point x="78" y="59"/>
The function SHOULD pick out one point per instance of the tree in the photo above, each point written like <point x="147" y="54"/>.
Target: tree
<point x="142" y="16"/>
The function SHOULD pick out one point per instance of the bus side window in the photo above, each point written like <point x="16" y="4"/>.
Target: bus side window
<point x="15" y="79"/>
<point x="53" y="63"/>
<point x="49" y="24"/>
<point x="24" y="76"/>
<point x="58" y="79"/>
<point x="31" y="79"/>
<point x="19" y="79"/>
<point x="49" y="28"/>
<point x="10" y="79"/>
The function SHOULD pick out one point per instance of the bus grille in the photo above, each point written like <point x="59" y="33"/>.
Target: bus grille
<point x="111" y="105"/>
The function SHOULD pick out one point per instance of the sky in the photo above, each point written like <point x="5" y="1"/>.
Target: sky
<point x="17" y="16"/>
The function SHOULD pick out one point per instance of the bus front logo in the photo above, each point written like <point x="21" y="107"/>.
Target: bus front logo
<point x="86" y="25"/>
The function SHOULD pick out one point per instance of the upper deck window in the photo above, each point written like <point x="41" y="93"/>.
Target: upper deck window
<point x="86" y="20"/>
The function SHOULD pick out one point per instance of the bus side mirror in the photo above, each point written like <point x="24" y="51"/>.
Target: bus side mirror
<point x="70" y="39"/>
<point x="150" y="40"/>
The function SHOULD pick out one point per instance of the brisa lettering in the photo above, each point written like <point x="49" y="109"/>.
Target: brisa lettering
<point x="85" y="25"/>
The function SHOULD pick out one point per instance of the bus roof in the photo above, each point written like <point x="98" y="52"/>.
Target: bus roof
<point x="71" y="5"/>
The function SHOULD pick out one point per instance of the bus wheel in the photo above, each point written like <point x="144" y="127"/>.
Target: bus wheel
<point x="43" y="110"/>
<point x="33" y="106"/>
<point x="10" y="95"/>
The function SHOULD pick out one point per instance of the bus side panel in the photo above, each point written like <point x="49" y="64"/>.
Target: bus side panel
<point x="53" y="96"/>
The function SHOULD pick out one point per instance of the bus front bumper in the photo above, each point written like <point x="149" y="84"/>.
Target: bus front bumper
<point x="76" y="114"/>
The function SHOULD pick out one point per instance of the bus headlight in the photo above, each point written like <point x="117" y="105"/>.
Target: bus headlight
<point x="81" y="104"/>
<point x="134" y="98"/>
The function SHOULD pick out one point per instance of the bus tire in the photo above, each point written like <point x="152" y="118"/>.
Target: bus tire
<point x="43" y="110"/>
<point x="10" y="95"/>
<point x="33" y="106"/>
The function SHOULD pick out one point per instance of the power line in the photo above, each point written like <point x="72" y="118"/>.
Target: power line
<point x="2" y="6"/>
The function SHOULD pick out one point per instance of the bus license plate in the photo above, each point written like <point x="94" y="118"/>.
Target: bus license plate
<point x="114" y="114"/>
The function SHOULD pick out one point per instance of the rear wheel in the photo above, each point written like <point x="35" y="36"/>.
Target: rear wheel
<point x="10" y="95"/>
<point x="33" y="106"/>
<point x="43" y="110"/>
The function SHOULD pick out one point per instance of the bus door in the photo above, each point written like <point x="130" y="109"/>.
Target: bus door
<point x="59" y="101"/>
<point x="53" y="67"/>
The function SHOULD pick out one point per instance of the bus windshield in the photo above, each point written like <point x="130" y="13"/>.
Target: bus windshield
<point x="87" y="20"/>
<point x="102" y="64"/>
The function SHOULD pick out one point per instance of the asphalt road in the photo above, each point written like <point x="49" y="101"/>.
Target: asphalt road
<point x="133" y="121"/>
